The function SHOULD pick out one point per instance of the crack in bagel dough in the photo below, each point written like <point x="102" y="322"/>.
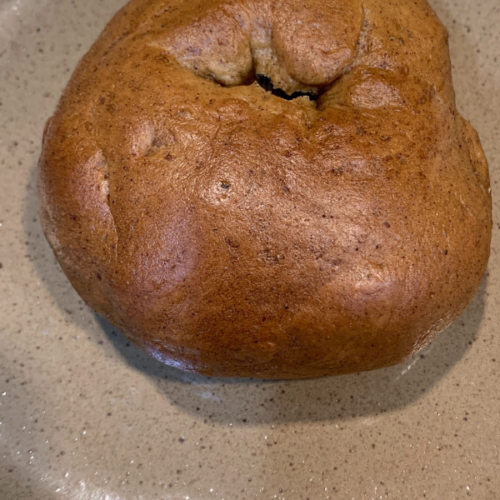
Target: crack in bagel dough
<point x="230" y="232"/>
<point x="298" y="46"/>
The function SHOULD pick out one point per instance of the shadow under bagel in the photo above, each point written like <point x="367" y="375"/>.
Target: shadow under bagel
<point x="250" y="401"/>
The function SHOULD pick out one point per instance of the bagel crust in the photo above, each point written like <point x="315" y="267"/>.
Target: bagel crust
<point x="232" y="232"/>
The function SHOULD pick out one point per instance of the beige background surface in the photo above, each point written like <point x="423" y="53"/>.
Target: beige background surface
<point x="84" y="415"/>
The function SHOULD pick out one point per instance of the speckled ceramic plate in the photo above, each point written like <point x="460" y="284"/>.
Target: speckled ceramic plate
<point x="84" y="415"/>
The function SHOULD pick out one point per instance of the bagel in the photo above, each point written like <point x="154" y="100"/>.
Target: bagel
<point x="268" y="188"/>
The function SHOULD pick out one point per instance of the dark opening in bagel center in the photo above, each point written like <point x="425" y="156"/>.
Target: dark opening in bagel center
<point x="266" y="83"/>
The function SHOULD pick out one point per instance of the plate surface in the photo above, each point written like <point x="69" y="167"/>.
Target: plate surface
<point x="84" y="415"/>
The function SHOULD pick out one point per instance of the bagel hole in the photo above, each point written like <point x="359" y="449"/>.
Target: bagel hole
<point x="266" y="83"/>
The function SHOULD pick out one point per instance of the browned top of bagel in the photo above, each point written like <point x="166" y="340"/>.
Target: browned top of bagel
<point x="232" y="232"/>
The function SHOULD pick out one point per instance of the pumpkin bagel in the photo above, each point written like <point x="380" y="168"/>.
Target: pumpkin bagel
<point x="274" y="189"/>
